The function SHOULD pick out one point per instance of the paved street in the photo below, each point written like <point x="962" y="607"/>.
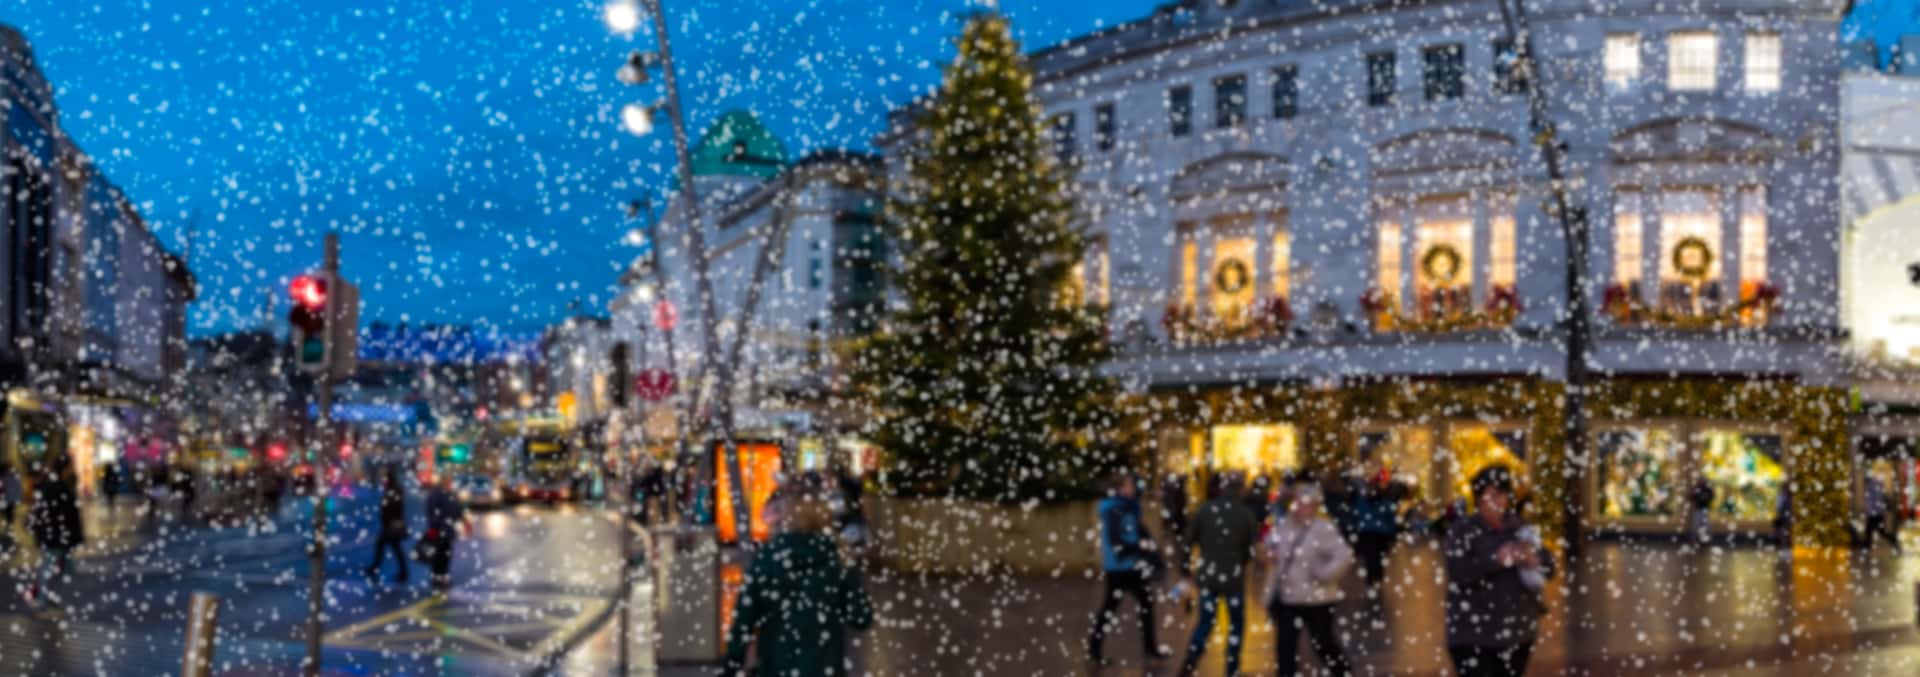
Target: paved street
<point x="528" y="580"/>
<point x="1648" y="609"/>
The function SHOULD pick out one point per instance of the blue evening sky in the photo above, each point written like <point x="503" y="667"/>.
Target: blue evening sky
<point x="468" y="151"/>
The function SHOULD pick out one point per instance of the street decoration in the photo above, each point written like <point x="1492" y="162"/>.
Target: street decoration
<point x="654" y="385"/>
<point x="1231" y="277"/>
<point x="1693" y="258"/>
<point x="1442" y="263"/>
<point x="665" y="315"/>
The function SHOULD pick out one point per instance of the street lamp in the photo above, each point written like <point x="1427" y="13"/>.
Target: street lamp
<point x="637" y="119"/>
<point x="622" y="16"/>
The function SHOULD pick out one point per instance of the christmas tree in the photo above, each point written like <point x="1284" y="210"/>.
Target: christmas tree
<point x="984" y="384"/>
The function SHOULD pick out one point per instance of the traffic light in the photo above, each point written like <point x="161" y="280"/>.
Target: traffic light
<point x="308" y="321"/>
<point x="326" y="312"/>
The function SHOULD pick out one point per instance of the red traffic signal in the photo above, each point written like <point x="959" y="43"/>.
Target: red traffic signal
<point x="309" y="291"/>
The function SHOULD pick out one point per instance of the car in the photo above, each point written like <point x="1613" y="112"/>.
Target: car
<point x="545" y="490"/>
<point x="478" y="491"/>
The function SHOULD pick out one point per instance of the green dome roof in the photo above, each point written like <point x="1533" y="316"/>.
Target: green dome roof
<point x="738" y="145"/>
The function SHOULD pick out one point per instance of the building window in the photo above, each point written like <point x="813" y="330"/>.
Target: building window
<point x="1689" y="218"/>
<point x="1753" y="239"/>
<point x="1286" y="92"/>
<point x="1443" y="247"/>
<point x="1446" y="72"/>
<point x="1627" y="254"/>
<point x="1282" y="258"/>
<point x="1692" y="59"/>
<point x="816" y="273"/>
<point x="1622" y="61"/>
<point x="1638" y="471"/>
<point x="1380" y="82"/>
<point x="1189" y="265"/>
<point x="1063" y="138"/>
<point x="1103" y="127"/>
<point x="1763" y="62"/>
<point x="1508" y="77"/>
<point x="1180" y="110"/>
<point x="1503" y="260"/>
<point x="1389" y="256"/>
<point x="1229" y="101"/>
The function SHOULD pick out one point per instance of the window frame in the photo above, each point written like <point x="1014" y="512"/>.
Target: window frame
<point x="1443" y="74"/>
<point x="1062" y="132"/>
<point x="1509" y="78"/>
<point x="1382" y="71"/>
<point x="1286" y="88"/>
<point x="1623" y="74"/>
<point x="1179" y="104"/>
<point x="1105" y="126"/>
<point x="1685" y="66"/>
<point x="1227" y="113"/>
<point x="1750" y="49"/>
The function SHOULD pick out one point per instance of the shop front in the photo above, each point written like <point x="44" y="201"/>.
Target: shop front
<point x="1436" y="461"/>
<point x="1646" y="473"/>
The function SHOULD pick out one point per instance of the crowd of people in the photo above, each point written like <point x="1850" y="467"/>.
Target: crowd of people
<point x="1308" y="535"/>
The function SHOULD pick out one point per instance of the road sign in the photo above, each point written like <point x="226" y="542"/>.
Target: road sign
<point x="654" y="385"/>
<point x="665" y="315"/>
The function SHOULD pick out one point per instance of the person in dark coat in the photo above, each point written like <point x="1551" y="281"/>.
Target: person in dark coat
<point x="1495" y="570"/>
<point x="800" y="601"/>
<point x="54" y="521"/>
<point x="393" y="529"/>
<point x="1127" y="565"/>
<point x="1224" y="532"/>
<point x="1173" y="507"/>
<point x="446" y="519"/>
<point x="1376" y="525"/>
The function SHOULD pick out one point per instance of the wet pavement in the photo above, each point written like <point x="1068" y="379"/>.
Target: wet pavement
<point x="1643" y="609"/>
<point x="530" y="582"/>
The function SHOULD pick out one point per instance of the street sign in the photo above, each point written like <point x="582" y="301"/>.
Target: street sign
<point x="665" y="315"/>
<point x="654" y="385"/>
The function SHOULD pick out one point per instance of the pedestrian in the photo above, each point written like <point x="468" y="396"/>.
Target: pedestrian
<point x="110" y="482"/>
<point x="446" y="519"/>
<point x="1307" y="558"/>
<point x="851" y="520"/>
<point x="1879" y="522"/>
<point x="1128" y="565"/>
<point x="1259" y="499"/>
<point x="184" y="488"/>
<point x="800" y="601"/>
<point x="1496" y="568"/>
<point x="1376" y="527"/>
<point x="1223" y="532"/>
<point x="9" y="504"/>
<point x="1700" y="502"/>
<point x="1173" y="507"/>
<point x="54" y="521"/>
<point x="393" y="528"/>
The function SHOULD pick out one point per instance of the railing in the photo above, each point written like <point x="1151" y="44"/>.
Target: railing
<point x="1691" y="305"/>
<point x="1442" y="309"/>
<point x="1186" y="326"/>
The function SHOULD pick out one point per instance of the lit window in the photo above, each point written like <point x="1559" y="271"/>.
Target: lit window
<point x="1626" y="238"/>
<point x="1689" y="236"/>
<point x="1763" y="62"/>
<point x="1232" y="279"/>
<point x="1443" y="243"/>
<point x="1692" y="59"/>
<point x="1282" y="256"/>
<point x="1623" y="60"/>
<point x="1753" y="236"/>
<point x="1502" y="259"/>
<point x="1389" y="253"/>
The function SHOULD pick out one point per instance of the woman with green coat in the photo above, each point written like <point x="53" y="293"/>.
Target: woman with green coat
<point x="799" y="601"/>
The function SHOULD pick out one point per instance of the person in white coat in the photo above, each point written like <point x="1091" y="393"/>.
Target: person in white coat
<point x="1306" y="559"/>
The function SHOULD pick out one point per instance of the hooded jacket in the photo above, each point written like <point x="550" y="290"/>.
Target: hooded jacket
<point x="1308" y="560"/>
<point x="797" y="606"/>
<point x="1120" y="534"/>
<point x="1488" y="605"/>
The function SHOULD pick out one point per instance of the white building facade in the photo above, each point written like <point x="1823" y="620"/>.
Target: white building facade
<point x="1320" y="230"/>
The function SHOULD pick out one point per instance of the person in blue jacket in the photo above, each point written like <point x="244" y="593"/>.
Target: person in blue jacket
<point x="1128" y="564"/>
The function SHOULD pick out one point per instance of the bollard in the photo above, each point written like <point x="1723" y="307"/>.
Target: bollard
<point x="203" y="619"/>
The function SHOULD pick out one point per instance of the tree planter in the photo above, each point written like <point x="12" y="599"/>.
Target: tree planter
<point x="970" y="537"/>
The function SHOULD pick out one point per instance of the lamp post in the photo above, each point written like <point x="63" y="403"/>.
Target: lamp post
<point x="623" y="17"/>
<point x="1574" y="230"/>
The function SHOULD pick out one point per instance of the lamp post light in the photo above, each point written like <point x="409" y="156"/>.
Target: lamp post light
<point x="623" y="17"/>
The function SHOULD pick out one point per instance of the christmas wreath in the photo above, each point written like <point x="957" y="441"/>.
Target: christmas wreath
<point x="1442" y="263"/>
<point x="1693" y="258"/>
<point x="1231" y="277"/>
